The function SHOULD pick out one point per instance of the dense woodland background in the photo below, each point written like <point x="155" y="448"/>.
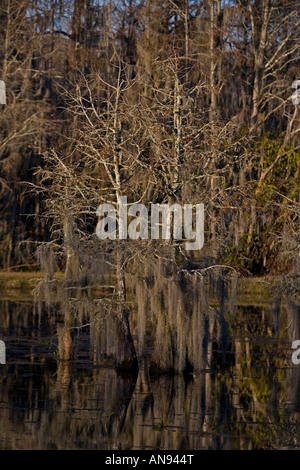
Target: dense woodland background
<point x="163" y="101"/>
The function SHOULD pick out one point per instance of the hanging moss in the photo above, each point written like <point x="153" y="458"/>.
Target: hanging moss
<point x="176" y="301"/>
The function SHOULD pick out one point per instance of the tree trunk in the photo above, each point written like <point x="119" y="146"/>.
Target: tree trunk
<point x="127" y="358"/>
<point x="259" y="43"/>
<point x="213" y="96"/>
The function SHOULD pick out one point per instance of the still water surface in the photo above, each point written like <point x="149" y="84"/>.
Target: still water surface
<point x="251" y="401"/>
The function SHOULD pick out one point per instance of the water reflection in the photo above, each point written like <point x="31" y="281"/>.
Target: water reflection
<point x="252" y="401"/>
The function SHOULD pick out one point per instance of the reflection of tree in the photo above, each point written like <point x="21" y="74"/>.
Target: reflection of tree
<point x="264" y="385"/>
<point x="249" y="403"/>
<point x="74" y="409"/>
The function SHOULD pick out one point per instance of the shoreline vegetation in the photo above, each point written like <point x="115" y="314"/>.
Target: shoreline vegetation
<point x="19" y="285"/>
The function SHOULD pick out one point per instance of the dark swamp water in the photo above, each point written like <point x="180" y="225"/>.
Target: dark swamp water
<point x="251" y="401"/>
